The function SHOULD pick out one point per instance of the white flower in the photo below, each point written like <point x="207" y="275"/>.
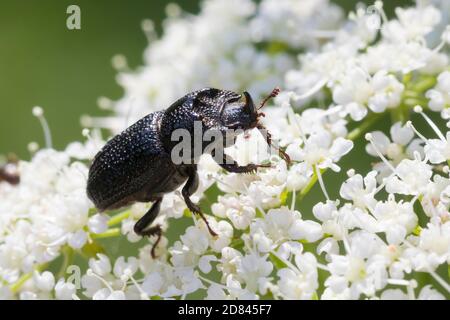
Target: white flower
<point x="301" y="283"/>
<point x="196" y="240"/>
<point x="412" y="177"/>
<point x="87" y="150"/>
<point x="440" y="95"/>
<point x="308" y="230"/>
<point x="224" y="231"/>
<point x="234" y="291"/>
<point x="64" y="290"/>
<point x="153" y="283"/>
<point x="388" y="91"/>
<point x="252" y="268"/>
<point x="438" y="150"/>
<point x="360" y="191"/>
<point x="293" y="22"/>
<point x="283" y="224"/>
<point x="204" y="264"/>
<point x="266" y="192"/>
<point x="401" y="137"/>
<point x="393" y="294"/>
<point x="127" y="268"/>
<point x="106" y="294"/>
<point x="44" y="281"/>
<point x="215" y="292"/>
<point x="337" y="221"/>
<point x="400" y="146"/>
<point x="101" y="266"/>
<point x="183" y="256"/>
<point x="436" y="240"/>
<point x="363" y="25"/>
<point x="357" y="91"/>
<point x="329" y="246"/>
<point x="240" y="210"/>
<point x="361" y="271"/>
<point x="396" y="219"/>
<point x="412" y="24"/>
<point x="297" y="177"/>
<point x="77" y="239"/>
<point x="98" y="223"/>
<point x="230" y="259"/>
<point x="220" y="61"/>
<point x="325" y="211"/>
<point x="322" y="151"/>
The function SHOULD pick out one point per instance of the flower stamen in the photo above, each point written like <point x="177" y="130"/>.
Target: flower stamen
<point x="38" y="112"/>
<point x="418" y="109"/>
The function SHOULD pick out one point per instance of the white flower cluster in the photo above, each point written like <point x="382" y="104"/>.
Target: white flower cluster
<point x="373" y="238"/>
<point x="219" y="47"/>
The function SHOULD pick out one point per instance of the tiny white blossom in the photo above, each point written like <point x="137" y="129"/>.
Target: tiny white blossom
<point x="440" y="95"/>
<point x="64" y="290"/>
<point x="360" y="190"/>
<point x="44" y="281"/>
<point x="98" y="223"/>
<point x="412" y="177"/>
<point x="396" y="219"/>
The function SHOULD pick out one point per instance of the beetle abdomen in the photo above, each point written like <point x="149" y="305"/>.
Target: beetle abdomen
<point x="128" y="165"/>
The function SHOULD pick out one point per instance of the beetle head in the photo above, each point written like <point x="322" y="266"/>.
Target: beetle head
<point x="239" y="113"/>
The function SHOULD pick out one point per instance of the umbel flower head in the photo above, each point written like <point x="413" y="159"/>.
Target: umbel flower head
<point x="363" y="95"/>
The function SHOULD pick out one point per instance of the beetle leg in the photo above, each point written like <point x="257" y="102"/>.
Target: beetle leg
<point x="189" y="188"/>
<point x="230" y="165"/>
<point x="146" y="220"/>
<point x="154" y="231"/>
<point x="266" y="134"/>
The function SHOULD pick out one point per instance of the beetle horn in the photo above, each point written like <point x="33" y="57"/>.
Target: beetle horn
<point x="249" y="105"/>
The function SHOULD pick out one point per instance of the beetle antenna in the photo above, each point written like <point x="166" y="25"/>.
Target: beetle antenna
<point x="273" y="94"/>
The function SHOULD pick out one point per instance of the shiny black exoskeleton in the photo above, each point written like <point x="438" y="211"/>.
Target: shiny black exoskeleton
<point x="136" y="165"/>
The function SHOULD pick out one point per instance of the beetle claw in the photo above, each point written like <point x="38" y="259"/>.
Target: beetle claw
<point x="285" y="157"/>
<point x="196" y="210"/>
<point x="152" y="252"/>
<point x="153" y="231"/>
<point x="253" y="168"/>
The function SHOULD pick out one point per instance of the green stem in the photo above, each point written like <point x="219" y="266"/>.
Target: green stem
<point x="412" y="94"/>
<point x="412" y="102"/>
<point x="118" y="218"/>
<point x="424" y="84"/>
<point x="308" y="187"/>
<point x="68" y="256"/>
<point x="113" y="232"/>
<point x="370" y="120"/>
<point x="15" y="287"/>
<point x="407" y="78"/>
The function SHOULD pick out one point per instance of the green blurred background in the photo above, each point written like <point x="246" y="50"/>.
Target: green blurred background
<point x="65" y="71"/>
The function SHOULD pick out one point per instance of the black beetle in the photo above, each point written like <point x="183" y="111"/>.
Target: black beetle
<point x="136" y="165"/>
